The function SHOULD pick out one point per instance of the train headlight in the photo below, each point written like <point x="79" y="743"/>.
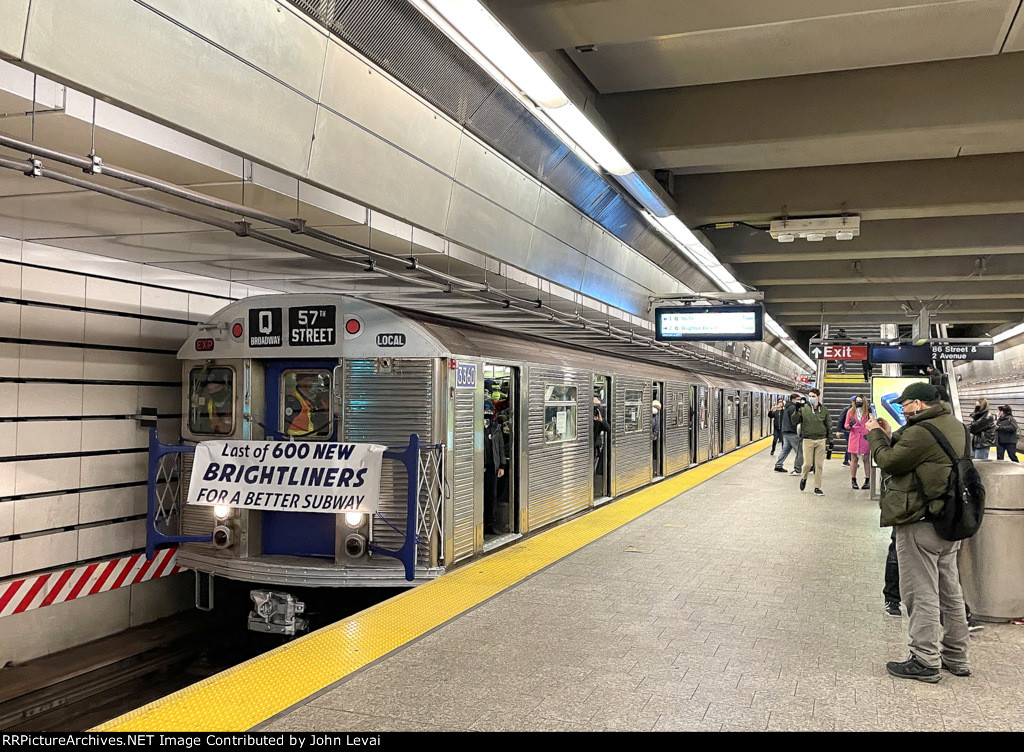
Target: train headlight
<point x="222" y="537"/>
<point x="353" y="519"/>
<point x="221" y="511"/>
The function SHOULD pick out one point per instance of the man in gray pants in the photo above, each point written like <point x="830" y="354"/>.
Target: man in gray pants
<point x="790" y="439"/>
<point x="915" y="472"/>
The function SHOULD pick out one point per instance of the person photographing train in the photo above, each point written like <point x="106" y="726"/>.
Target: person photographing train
<point x="815" y="430"/>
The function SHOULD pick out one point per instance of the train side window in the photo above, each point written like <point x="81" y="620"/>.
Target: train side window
<point x="681" y="411"/>
<point x="559" y="413"/>
<point x="211" y="401"/>
<point x="306" y="404"/>
<point x="633" y="402"/>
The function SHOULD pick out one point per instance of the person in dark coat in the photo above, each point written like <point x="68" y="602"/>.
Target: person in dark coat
<point x="1006" y="434"/>
<point x="983" y="430"/>
<point x="775" y="415"/>
<point x="494" y="468"/>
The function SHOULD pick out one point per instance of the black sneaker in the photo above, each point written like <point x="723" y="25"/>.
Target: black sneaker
<point x="846" y="464"/>
<point x="912" y="669"/>
<point x="780" y="469"/>
<point x="962" y="671"/>
<point x="892" y="608"/>
<point x="973" y="626"/>
<point x="854" y="482"/>
<point x="818" y="492"/>
<point x="803" y="483"/>
<point x="866" y="485"/>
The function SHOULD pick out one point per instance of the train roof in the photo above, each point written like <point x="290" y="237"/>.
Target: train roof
<point x="330" y="326"/>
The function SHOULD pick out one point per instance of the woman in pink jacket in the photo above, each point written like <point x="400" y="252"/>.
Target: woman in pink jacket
<point x="856" y="417"/>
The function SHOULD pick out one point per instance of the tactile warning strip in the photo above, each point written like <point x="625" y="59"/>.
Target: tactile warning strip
<point x="252" y="692"/>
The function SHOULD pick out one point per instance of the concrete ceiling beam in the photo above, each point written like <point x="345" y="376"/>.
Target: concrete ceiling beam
<point x="945" y="108"/>
<point x="967" y="185"/>
<point x="975" y="289"/>
<point x="875" y="271"/>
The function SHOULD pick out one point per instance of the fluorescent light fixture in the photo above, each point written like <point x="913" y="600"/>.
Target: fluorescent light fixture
<point x="578" y="127"/>
<point x="492" y="41"/>
<point x="643" y="193"/>
<point x="1013" y="332"/>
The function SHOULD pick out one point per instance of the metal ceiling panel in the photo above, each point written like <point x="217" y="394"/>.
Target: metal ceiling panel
<point x="487" y="173"/>
<point x="12" y="30"/>
<point x="382" y="175"/>
<point x="478" y="223"/>
<point x="360" y="93"/>
<point x="554" y="260"/>
<point x="228" y="101"/>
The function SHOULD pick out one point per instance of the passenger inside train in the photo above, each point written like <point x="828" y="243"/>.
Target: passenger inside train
<point x="306" y="410"/>
<point x="211" y="410"/>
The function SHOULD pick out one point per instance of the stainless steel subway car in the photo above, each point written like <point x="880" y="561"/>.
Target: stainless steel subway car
<point x="518" y="434"/>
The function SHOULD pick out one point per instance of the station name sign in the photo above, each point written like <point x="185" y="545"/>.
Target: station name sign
<point x="723" y="323"/>
<point x="963" y="352"/>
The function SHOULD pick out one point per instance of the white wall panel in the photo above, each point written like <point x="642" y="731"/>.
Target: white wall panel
<point x="165" y="334"/>
<point x="6" y="557"/>
<point x="113" y="434"/>
<point x="10" y="359"/>
<point x="42" y="361"/>
<point x="8" y="439"/>
<point x="113" y="295"/>
<point x="48" y="436"/>
<point x="46" y="513"/>
<point x="49" y="399"/>
<point x="111" y="503"/>
<point x="10" y="316"/>
<point x="106" y="540"/>
<point x="105" y="399"/>
<point x="120" y="331"/>
<point x="103" y="469"/>
<point x="158" y="367"/>
<point x="6" y="513"/>
<point x="165" y="399"/>
<point x="52" y="286"/>
<point x="7" y="474"/>
<point x="52" y="324"/>
<point x="110" y="364"/>
<point x="45" y="630"/>
<point x="45" y="551"/>
<point x="8" y="399"/>
<point x="41" y="476"/>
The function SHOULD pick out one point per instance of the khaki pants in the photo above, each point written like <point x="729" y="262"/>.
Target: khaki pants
<point x="930" y="589"/>
<point x="814" y="454"/>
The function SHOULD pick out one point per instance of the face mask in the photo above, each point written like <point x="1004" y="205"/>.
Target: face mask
<point x="859" y="403"/>
<point x="813" y="400"/>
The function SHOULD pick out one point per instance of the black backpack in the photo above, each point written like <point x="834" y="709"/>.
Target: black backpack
<point x="960" y="516"/>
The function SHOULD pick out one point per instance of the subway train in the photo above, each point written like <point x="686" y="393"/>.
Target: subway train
<point x="568" y="430"/>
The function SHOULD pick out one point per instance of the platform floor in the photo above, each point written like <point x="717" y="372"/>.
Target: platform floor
<point x="742" y="604"/>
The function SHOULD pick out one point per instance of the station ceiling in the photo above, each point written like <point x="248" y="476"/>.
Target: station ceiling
<point x="909" y="114"/>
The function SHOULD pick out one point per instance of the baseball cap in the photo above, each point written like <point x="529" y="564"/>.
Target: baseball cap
<point x="919" y="391"/>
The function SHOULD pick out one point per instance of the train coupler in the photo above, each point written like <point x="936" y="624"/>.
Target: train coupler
<point x="276" y="613"/>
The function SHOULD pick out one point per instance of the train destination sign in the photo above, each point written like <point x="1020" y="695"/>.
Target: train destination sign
<point x="265" y="327"/>
<point x="287" y="476"/>
<point x="963" y="352"/>
<point x="312" y="326"/>
<point x="723" y="323"/>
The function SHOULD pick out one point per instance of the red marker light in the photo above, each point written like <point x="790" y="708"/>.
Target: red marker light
<point x="352" y="326"/>
<point x="236" y="330"/>
<point x="204" y="345"/>
<point x="453" y="364"/>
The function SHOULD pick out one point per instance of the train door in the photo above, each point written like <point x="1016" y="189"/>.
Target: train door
<point x="715" y="409"/>
<point x="501" y="443"/>
<point x="300" y="407"/>
<point x="694" y="422"/>
<point x="601" y="438"/>
<point x="658" y="430"/>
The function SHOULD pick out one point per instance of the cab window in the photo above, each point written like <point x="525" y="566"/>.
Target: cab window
<point x="633" y="403"/>
<point x="559" y="413"/>
<point x="306" y="413"/>
<point x="211" y="401"/>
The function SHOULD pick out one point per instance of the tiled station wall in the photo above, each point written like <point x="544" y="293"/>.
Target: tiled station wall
<point x="85" y="342"/>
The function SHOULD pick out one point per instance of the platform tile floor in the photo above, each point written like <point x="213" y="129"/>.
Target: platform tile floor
<point x="742" y="604"/>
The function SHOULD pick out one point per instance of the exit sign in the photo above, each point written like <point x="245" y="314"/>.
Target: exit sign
<point x="840" y="352"/>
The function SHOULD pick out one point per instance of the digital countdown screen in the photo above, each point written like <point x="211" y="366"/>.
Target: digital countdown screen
<point x="727" y="323"/>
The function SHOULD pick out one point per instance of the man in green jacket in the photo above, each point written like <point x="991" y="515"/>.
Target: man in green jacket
<point x="815" y="428"/>
<point x="915" y="471"/>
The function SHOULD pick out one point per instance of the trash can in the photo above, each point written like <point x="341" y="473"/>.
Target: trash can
<point x="992" y="561"/>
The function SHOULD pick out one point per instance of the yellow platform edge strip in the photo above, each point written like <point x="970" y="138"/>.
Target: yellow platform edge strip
<point x="248" y="694"/>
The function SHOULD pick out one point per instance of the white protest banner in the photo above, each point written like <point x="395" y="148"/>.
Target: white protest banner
<point x="287" y="476"/>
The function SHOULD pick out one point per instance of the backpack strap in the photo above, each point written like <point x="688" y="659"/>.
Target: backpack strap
<point x="943" y="442"/>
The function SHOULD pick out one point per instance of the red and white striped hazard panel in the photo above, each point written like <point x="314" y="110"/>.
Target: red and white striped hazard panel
<point x="47" y="589"/>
